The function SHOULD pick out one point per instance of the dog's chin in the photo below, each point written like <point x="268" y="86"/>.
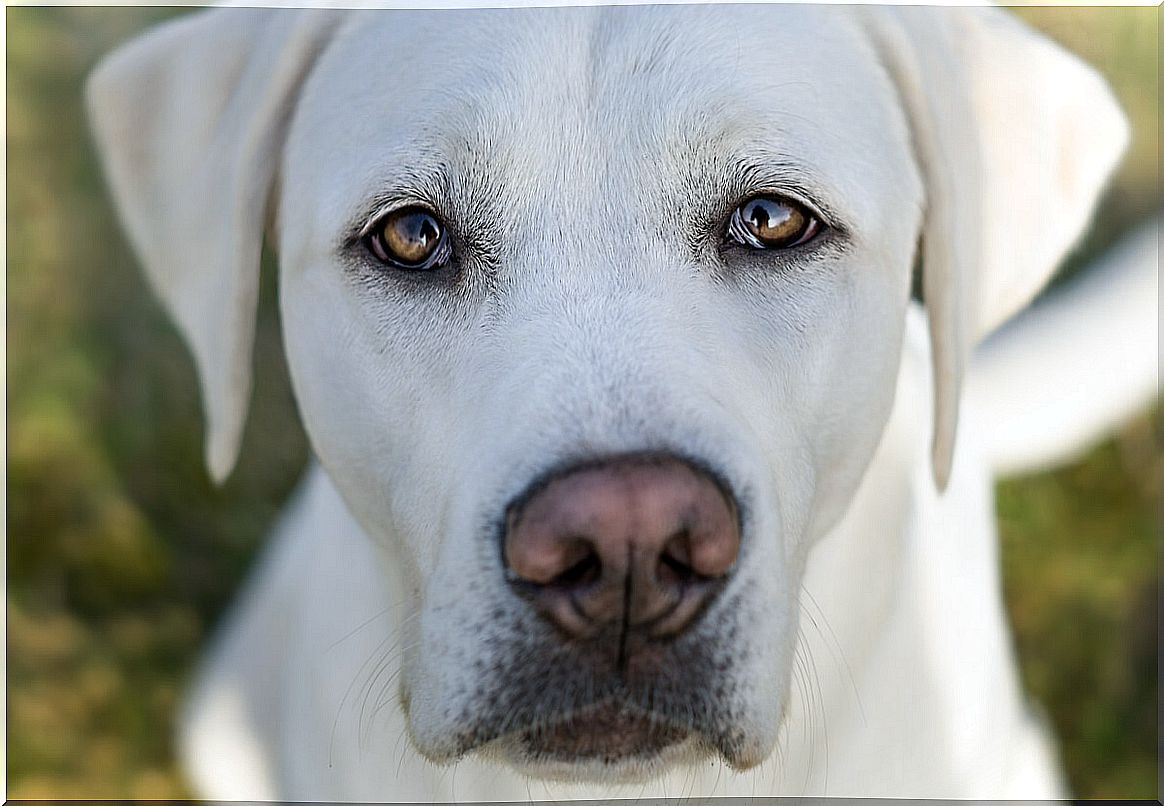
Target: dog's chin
<point x="605" y="743"/>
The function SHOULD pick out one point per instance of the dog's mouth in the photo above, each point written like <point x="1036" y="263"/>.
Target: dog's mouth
<point x="608" y="732"/>
<point x="567" y="710"/>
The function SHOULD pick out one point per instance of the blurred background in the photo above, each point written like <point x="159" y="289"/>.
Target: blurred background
<point x="122" y="555"/>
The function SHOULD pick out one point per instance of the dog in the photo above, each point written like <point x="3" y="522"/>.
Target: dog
<point x="637" y="471"/>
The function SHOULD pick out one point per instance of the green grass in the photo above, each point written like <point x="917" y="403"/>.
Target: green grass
<point x="121" y="554"/>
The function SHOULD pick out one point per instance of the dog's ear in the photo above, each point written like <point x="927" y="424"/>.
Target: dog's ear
<point x="189" y="121"/>
<point x="1015" y="139"/>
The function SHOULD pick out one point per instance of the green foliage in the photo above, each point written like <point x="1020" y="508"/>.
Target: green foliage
<point x="1080" y="578"/>
<point x="122" y="556"/>
<point x="121" y="553"/>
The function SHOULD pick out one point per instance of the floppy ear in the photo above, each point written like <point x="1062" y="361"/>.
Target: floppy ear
<point x="1015" y="139"/>
<point x="189" y="121"/>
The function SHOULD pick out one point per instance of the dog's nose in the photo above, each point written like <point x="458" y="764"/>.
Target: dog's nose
<point x="639" y="541"/>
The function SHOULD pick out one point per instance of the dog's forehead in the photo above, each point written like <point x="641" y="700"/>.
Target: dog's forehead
<point x="560" y="96"/>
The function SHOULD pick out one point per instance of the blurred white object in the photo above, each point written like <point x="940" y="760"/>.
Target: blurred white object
<point x="1081" y="360"/>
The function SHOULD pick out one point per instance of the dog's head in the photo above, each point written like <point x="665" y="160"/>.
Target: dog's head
<point x="594" y="315"/>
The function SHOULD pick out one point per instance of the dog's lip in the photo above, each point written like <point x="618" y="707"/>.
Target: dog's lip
<point x="609" y="731"/>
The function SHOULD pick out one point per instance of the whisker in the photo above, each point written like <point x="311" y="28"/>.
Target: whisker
<point x="363" y="725"/>
<point x="835" y="649"/>
<point x="401" y="749"/>
<point x="344" y="699"/>
<point x="364" y="624"/>
<point x="808" y="728"/>
<point x="819" y="700"/>
<point x="383" y="650"/>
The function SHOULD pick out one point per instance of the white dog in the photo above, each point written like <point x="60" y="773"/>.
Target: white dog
<point x="637" y="468"/>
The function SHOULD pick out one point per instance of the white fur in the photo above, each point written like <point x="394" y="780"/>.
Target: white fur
<point x="587" y="157"/>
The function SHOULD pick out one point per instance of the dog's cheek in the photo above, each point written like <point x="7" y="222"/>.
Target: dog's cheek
<point x="855" y="355"/>
<point x="758" y="654"/>
<point x="795" y="358"/>
<point x="374" y="413"/>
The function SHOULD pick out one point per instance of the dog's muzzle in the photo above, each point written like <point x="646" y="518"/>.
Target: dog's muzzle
<point x="620" y="557"/>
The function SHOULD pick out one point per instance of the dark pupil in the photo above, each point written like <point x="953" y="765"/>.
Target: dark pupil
<point x="416" y="231"/>
<point x="766" y="217"/>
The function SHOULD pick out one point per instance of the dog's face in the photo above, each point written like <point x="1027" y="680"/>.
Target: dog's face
<point x="543" y="268"/>
<point x="595" y="303"/>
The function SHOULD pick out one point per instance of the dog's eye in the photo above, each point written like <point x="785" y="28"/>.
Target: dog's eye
<point x="409" y="238"/>
<point x="772" y="222"/>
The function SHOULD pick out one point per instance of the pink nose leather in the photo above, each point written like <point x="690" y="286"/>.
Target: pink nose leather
<point x="640" y="540"/>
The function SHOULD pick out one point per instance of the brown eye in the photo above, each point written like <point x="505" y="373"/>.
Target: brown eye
<point x="409" y="238"/>
<point x="772" y="222"/>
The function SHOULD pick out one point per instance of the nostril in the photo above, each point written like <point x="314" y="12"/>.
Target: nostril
<point x="701" y="552"/>
<point x="548" y="560"/>
<point x="583" y="572"/>
<point x="675" y="561"/>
